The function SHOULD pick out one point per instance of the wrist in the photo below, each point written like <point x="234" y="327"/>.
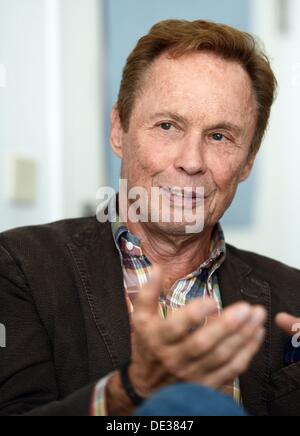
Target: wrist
<point x="117" y="401"/>
<point x="137" y="378"/>
<point x="126" y="380"/>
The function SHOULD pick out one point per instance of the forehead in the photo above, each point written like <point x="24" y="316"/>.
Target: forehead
<point x="197" y="85"/>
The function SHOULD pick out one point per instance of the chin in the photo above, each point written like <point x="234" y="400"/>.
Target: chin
<point x="175" y="229"/>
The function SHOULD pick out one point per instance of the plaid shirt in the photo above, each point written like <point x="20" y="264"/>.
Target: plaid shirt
<point x="137" y="272"/>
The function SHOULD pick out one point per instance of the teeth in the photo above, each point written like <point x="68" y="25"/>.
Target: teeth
<point x="181" y="193"/>
<point x="184" y="195"/>
<point x="177" y="192"/>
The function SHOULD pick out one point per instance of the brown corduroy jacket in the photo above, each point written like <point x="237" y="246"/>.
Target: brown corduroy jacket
<point x="63" y="306"/>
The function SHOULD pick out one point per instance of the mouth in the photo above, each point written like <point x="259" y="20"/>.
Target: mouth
<point x="187" y="195"/>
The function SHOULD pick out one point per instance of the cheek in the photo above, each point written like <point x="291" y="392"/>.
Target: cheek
<point x="226" y="175"/>
<point x="143" y="160"/>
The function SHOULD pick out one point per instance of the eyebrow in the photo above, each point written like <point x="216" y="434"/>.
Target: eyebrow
<point x="225" y="125"/>
<point x="174" y="115"/>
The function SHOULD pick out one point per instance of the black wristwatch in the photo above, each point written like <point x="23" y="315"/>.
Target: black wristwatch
<point x="136" y="399"/>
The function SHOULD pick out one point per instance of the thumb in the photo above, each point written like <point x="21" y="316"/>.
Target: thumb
<point x="287" y="323"/>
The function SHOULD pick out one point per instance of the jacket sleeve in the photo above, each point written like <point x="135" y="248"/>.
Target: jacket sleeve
<point x="27" y="375"/>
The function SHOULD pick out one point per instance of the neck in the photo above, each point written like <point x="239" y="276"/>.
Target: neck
<point x="177" y="255"/>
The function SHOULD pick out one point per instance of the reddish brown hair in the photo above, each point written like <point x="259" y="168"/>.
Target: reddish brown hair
<point x="179" y="37"/>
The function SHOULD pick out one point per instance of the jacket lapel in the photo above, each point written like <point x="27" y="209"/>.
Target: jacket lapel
<point x="98" y="264"/>
<point x="239" y="283"/>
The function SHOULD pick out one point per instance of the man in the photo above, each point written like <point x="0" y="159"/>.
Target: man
<point x="99" y="317"/>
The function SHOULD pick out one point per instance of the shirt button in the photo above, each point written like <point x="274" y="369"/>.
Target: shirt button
<point x="129" y="246"/>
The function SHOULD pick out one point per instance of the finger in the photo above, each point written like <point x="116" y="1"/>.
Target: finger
<point x="225" y="352"/>
<point x="286" y="323"/>
<point x="182" y="322"/>
<point x="238" y="366"/>
<point x="205" y="339"/>
<point x="148" y="299"/>
<point x="231" y="346"/>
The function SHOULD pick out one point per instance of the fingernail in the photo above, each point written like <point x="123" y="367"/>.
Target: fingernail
<point x="242" y="313"/>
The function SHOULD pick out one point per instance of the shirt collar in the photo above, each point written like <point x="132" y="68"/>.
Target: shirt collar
<point x="128" y="244"/>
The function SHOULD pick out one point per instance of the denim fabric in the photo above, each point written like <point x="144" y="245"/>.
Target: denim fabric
<point x="189" y="400"/>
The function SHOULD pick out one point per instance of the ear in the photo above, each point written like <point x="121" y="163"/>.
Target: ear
<point x="247" y="168"/>
<point x="116" y="133"/>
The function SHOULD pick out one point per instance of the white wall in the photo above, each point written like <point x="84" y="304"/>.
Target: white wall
<point x="288" y="112"/>
<point x="83" y="102"/>
<point x="274" y="232"/>
<point x="23" y="101"/>
<point x="51" y="108"/>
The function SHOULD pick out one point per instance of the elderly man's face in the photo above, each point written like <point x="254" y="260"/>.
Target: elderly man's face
<point x="192" y="125"/>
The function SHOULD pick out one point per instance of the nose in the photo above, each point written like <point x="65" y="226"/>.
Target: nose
<point x="191" y="156"/>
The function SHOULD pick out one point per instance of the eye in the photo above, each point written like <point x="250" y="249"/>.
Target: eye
<point x="166" y="126"/>
<point x="218" y="137"/>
